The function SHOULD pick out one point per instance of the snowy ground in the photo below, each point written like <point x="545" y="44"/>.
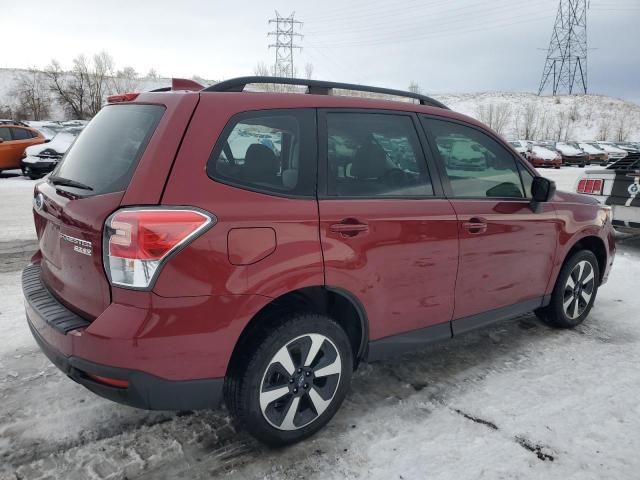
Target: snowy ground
<point x="518" y="400"/>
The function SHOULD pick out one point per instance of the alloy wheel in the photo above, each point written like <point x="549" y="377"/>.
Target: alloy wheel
<point x="300" y="382"/>
<point x="578" y="289"/>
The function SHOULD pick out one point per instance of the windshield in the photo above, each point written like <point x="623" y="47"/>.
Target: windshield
<point x="106" y="153"/>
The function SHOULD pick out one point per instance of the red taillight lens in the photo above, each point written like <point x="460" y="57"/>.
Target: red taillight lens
<point x="591" y="186"/>
<point x="138" y="240"/>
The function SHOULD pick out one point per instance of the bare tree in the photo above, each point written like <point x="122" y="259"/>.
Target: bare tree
<point x="527" y="121"/>
<point x="604" y="127"/>
<point x="32" y="95"/>
<point x="495" y="115"/>
<point x="125" y="80"/>
<point x="153" y="74"/>
<point x="622" y="125"/>
<point x="81" y="92"/>
<point x="308" y="71"/>
<point x="562" y="130"/>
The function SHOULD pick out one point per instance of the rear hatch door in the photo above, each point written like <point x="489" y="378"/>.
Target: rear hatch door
<point x="93" y="180"/>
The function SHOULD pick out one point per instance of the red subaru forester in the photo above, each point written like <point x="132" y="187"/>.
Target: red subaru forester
<point x="205" y="244"/>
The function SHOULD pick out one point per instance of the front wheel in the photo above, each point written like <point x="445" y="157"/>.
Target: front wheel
<point x="293" y="379"/>
<point x="574" y="292"/>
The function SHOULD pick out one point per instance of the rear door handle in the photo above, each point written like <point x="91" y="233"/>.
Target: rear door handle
<point x="349" y="227"/>
<point x="475" y="225"/>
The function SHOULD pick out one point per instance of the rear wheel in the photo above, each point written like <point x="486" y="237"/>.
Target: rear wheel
<point x="292" y="380"/>
<point x="574" y="292"/>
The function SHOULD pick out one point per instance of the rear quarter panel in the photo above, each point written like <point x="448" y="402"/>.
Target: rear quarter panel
<point x="205" y="267"/>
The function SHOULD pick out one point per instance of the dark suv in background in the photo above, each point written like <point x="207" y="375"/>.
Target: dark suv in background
<point x="200" y="244"/>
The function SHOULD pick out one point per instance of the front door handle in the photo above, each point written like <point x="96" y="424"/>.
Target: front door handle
<point x="475" y="225"/>
<point x="349" y="227"/>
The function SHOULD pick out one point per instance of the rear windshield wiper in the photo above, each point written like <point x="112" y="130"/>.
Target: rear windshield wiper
<point x="67" y="182"/>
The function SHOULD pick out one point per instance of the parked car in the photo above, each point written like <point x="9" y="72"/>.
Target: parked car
<point x="180" y="263"/>
<point x="38" y="160"/>
<point x="520" y="146"/>
<point x="618" y="186"/>
<point x="14" y="139"/>
<point x="628" y="147"/>
<point x="463" y="154"/>
<point x="596" y="154"/>
<point x="612" y="150"/>
<point x="572" y="154"/>
<point x="8" y="121"/>
<point x="539" y="155"/>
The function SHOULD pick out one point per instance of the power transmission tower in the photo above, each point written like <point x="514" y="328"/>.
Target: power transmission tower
<point x="285" y="35"/>
<point x="566" y="66"/>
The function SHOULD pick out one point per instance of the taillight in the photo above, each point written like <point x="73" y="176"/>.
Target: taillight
<point x="138" y="241"/>
<point x="591" y="186"/>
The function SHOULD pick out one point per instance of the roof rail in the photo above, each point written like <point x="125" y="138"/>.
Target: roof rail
<point x="317" y="87"/>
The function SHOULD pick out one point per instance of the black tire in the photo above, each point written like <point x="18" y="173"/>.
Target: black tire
<point x="257" y="367"/>
<point x="555" y="314"/>
<point x="557" y="168"/>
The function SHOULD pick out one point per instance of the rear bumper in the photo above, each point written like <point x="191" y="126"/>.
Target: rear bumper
<point x="60" y="333"/>
<point x="144" y="390"/>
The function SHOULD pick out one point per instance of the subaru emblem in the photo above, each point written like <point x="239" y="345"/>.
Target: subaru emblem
<point x="38" y="202"/>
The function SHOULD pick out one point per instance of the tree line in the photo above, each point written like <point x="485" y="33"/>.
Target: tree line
<point x="80" y="91"/>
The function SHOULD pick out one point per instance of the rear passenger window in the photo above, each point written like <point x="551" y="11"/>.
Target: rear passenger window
<point x="20" y="134"/>
<point x="5" y="134"/>
<point x="375" y="155"/>
<point x="271" y="151"/>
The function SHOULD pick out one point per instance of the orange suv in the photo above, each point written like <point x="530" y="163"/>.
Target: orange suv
<point x="14" y="139"/>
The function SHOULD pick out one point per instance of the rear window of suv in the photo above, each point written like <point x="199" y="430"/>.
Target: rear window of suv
<point x="106" y="154"/>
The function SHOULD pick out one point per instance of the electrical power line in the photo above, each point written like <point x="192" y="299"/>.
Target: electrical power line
<point x="394" y="38"/>
<point x="566" y="63"/>
<point x="285" y="34"/>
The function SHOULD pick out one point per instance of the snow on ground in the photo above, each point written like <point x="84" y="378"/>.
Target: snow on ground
<point x="518" y="400"/>
<point x="16" y="193"/>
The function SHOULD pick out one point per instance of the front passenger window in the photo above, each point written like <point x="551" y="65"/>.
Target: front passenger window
<point x="476" y="165"/>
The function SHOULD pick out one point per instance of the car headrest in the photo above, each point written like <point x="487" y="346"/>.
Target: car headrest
<point x="370" y="161"/>
<point x="260" y="163"/>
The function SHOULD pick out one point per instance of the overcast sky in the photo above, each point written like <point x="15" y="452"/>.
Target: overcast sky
<point x="444" y="46"/>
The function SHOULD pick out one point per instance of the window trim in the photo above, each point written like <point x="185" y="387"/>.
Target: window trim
<point x="424" y="117"/>
<point x="323" y="156"/>
<point x="309" y="120"/>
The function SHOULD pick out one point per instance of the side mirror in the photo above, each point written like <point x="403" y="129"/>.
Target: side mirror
<point x="47" y="140"/>
<point x="1" y="139"/>
<point x="542" y="190"/>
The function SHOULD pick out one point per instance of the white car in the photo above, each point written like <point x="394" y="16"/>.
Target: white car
<point x="615" y="153"/>
<point x="520" y="146"/>
<point x="38" y="160"/>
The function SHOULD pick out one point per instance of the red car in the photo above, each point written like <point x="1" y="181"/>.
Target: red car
<point x="199" y="244"/>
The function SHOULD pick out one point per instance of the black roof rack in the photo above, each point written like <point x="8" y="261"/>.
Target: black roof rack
<point x="317" y="87"/>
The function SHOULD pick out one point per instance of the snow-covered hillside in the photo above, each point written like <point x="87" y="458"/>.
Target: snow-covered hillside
<point x="578" y="117"/>
<point x="514" y="115"/>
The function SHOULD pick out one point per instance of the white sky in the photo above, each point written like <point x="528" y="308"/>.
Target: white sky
<point x="445" y="46"/>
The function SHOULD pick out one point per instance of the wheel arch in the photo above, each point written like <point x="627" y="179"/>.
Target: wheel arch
<point x="596" y="245"/>
<point x="335" y="302"/>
